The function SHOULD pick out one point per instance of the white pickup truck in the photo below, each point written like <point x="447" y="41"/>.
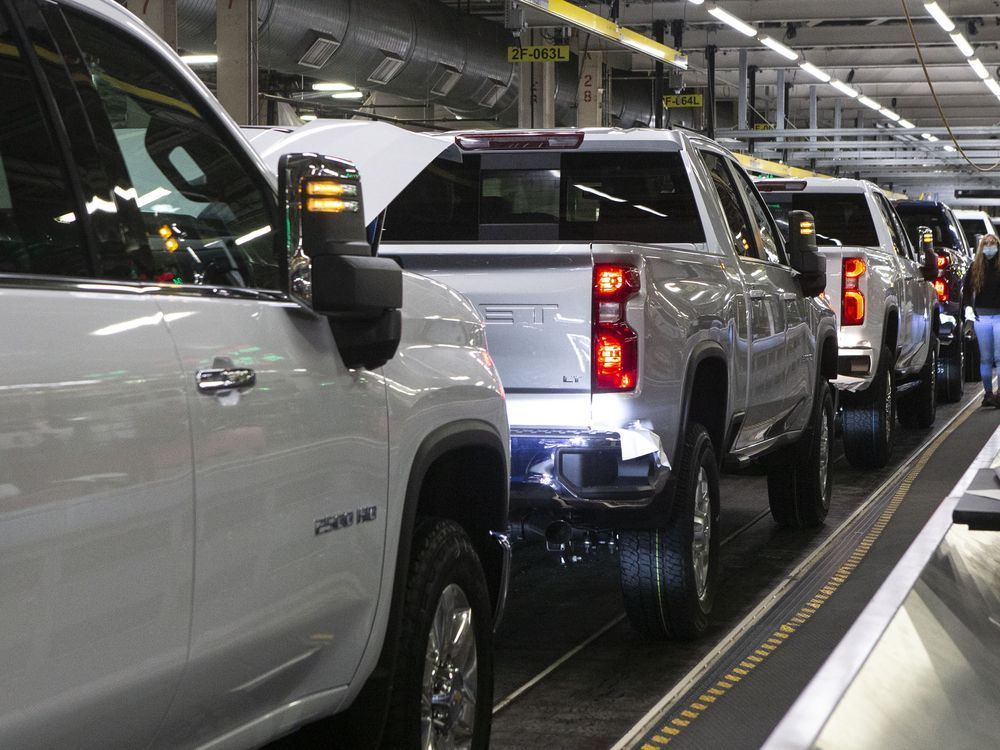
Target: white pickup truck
<point x="252" y="475"/>
<point x="886" y="305"/>
<point x="648" y="322"/>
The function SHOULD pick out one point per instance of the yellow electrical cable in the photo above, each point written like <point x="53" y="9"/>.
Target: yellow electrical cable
<point x="937" y="103"/>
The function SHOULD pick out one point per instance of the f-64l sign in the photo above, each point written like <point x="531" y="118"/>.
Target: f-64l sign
<point x="683" y="101"/>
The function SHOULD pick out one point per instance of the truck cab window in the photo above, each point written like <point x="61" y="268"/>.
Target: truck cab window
<point x="39" y="233"/>
<point x="740" y="227"/>
<point x="206" y="220"/>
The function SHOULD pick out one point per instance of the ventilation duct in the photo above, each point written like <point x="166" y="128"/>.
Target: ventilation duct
<point x="416" y="49"/>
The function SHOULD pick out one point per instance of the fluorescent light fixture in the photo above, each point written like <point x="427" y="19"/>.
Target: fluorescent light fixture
<point x="980" y="69"/>
<point x="929" y="137"/>
<point x="780" y="48"/>
<point x="949" y="147"/>
<point x="200" y="59"/>
<point x="890" y="114"/>
<point x="963" y="44"/>
<point x="348" y="95"/>
<point x="843" y="88"/>
<point x="993" y="86"/>
<point x="814" y="72"/>
<point x="870" y="103"/>
<point x="696" y="2"/>
<point x="730" y="20"/>
<point x="307" y="118"/>
<point x="940" y="16"/>
<point x="333" y="86"/>
<point x="906" y="124"/>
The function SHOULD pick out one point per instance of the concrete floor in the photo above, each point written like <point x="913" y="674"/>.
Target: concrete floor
<point x="594" y="697"/>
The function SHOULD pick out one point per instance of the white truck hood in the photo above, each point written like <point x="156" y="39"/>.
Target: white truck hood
<point x="388" y="157"/>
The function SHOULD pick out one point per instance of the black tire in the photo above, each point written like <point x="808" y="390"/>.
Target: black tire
<point x="667" y="594"/>
<point x="799" y="480"/>
<point x="971" y="359"/>
<point x="951" y="373"/>
<point x="869" y="419"/>
<point x="442" y="562"/>
<point x="918" y="408"/>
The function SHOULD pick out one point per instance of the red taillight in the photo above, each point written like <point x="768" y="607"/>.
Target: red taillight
<point x="852" y="309"/>
<point x="941" y="287"/>
<point x="615" y="343"/>
<point x="942" y="261"/>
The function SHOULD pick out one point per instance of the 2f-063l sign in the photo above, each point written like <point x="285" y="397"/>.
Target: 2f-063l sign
<point x="683" y="101"/>
<point x="540" y="53"/>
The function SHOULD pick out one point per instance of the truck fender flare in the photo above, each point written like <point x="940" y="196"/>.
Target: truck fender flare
<point x="372" y="703"/>
<point x="702" y="351"/>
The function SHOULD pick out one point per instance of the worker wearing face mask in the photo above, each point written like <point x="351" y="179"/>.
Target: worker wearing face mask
<point x="981" y="297"/>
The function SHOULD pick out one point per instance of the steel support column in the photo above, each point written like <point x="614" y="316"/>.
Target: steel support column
<point x="710" y="104"/>
<point x="779" y="115"/>
<point x="752" y="83"/>
<point x="813" y="109"/>
<point x="741" y="102"/>
<point x="236" y="45"/>
<point x="659" y="27"/>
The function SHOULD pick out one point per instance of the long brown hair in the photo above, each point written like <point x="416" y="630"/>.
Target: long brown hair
<point x="978" y="275"/>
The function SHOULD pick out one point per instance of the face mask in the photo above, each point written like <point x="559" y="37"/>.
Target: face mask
<point x="989" y="251"/>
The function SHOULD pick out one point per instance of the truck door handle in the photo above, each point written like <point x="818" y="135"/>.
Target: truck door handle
<point x="757" y="294"/>
<point x="789" y="296"/>
<point x="225" y="379"/>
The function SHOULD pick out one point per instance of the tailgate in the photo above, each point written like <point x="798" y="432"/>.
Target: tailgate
<point x="834" y="274"/>
<point x="536" y="301"/>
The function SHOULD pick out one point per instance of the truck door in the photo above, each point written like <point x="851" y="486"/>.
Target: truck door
<point x="916" y="310"/>
<point x="765" y="283"/>
<point x="800" y="337"/>
<point x="96" y="496"/>
<point x="290" y="447"/>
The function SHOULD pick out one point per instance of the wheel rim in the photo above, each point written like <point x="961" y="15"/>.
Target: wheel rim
<point x="824" y="455"/>
<point x="448" y="697"/>
<point x="702" y="540"/>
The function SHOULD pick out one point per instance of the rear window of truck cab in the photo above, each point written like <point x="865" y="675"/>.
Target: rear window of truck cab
<point x="585" y="197"/>
<point x="842" y="219"/>
<point x="946" y="234"/>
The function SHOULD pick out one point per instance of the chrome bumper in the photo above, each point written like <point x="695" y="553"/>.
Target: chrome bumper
<point x="581" y="468"/>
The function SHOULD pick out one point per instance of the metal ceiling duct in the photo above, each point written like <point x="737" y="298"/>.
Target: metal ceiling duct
<point x="419" y="49"/>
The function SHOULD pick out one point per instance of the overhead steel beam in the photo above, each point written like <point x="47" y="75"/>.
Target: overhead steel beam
<point x="812" y="11"/>
<point x="985" y="131"/>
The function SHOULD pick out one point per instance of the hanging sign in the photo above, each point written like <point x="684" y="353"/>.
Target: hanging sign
<point x="684" y="101"/>
<point x="539" y="53"/>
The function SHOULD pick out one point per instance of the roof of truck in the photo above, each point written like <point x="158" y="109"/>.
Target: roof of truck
<point x="824" y="184"/>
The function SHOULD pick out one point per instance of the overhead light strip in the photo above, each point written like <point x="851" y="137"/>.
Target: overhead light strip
<point x="602" y="27"/>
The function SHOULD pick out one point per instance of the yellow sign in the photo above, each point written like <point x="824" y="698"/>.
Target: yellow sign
<point x="683" y="101"/>
<point x="540" y="53"/>
<point x="763" y="126"/>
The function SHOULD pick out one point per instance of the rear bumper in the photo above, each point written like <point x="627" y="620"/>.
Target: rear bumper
<point x="580" y="470"/>
<point x="855" y="369"/>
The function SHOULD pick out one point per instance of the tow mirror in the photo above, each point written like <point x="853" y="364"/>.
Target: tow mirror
<point x="805" y="257"/>
<point x="330" y="265"/>
<point x="928" y="258"/>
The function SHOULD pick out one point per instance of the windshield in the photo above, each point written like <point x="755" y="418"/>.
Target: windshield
<point x="623" y="197"/>
<point x="972" y="227"/>
<point x="841" y="218"/>
<point x="946" y="234"/>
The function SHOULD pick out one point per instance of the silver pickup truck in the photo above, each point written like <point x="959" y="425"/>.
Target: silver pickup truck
<point x="648" y="323"/>
<point x="880" y="286"/>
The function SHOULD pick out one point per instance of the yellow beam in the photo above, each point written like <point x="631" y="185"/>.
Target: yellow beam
<point x="579" y="18"/>
<point x="763" y="166"/>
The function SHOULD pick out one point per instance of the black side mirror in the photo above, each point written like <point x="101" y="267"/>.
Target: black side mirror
<point x="929" y="267"/>
<point x="330" y="265"/>
<point x="804" y="256"/>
